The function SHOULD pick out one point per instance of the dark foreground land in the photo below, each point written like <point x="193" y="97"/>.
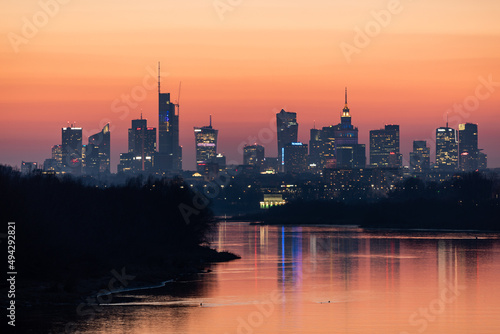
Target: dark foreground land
<point x="74" y="241"/>
<point x="469" y="202"/>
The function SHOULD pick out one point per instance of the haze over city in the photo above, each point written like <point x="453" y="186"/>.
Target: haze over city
<point x="242" y="64"/>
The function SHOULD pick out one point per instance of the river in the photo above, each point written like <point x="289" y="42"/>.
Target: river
<point x="323" y="279"/>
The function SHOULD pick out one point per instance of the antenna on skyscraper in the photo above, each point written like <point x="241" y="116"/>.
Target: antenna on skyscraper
<point x="446" y="119"/>
<point x="210" y="120"/>
<point x="178" y="98"/>
<point x="346" y="95"/>
<point x="158" y="77"/>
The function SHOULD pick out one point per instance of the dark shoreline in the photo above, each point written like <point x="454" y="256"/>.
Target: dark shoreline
<point x="41" y="293"/>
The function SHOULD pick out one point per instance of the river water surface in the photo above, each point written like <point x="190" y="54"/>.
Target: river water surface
<point x="324" y="280"/>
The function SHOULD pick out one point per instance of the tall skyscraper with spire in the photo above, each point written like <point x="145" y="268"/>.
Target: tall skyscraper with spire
<point x="169" y="156"/>
<point x="340" y="146"/>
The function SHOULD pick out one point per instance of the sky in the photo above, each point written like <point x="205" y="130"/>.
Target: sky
<point x="407" y="62"/>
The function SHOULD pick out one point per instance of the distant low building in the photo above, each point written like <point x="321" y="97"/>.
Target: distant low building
<point x="271" y="200"/>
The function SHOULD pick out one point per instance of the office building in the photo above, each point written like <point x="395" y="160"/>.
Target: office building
<point x="351" y="156"/>
<point x="482" y="161"/>
<point x="468" y="151"/>
<point x="97" y="152"/>
<point x="420" y="157"/>
<point x="253" y="155"/>
<point x="287" y="130"/>
<point x="169" y="156"/>
<point x="446" y="149"/>
<point x="384" y="147"/>
<point x="315" y="147"/>
<point x="339" y="145"/>
<point x="141" y="148"/>
<point x="206" y="145"/>
<point x="57" y="153"/>
<point x="28" y="167"/>
<point x="72" y="149"/>
<point x="220" y="160"/>
<point x="295" y="157"/>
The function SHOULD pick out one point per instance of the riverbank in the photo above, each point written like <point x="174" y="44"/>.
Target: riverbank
<point x="40" y="293"/>
<point x="411" y="214"/>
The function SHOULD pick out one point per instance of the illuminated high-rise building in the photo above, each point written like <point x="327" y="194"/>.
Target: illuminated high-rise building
<point x="420" y="157"/>
<point x="72" y="149"/>
<point x="345" y="133"/>
<point x="482" y="161"/>
<point x="468" y="151"/>
<point x="169" y="156"/>
<point x="287" y="128"/>
<point x="339" y="143"/>
<point x="57" y="153"/>
<point x="384" y="147"/>
<point x="315" y="147"/>
<point x="253" y="155"/>
<point x="295" y="157"/>
<point x="446" y="149"/>
<point x="97" y="152"/>
<point x="351" y="156"/>
<point x="141" y="148"/>
<point x="206" y="145"/>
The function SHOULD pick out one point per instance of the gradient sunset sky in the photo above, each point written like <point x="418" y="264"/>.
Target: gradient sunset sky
<point x="244" y="65"/>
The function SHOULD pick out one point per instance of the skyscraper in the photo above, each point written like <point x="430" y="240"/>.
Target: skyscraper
<point x="72" y="149"/>
<point x="420" y="157"/>
<point x="468" y="151"/>
<point x="345" y="132"/>
<point x="287" y="128"/>
<point x="206" y="145"/>
<point x="253" y="155"/>
<point x="384" y="147"/>
<point x="57" y="152"/>
<point x="169" y="157"/>
<point x="141" y="148"/>
<point x="339" y="143"/>
<point x="97" y="152"/>
<point x="315" y="147"/>
<point x="295" y="157"/>
<point x="446" y="149"/>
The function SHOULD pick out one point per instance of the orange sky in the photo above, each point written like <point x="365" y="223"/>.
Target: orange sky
<point x="262" y="56"/>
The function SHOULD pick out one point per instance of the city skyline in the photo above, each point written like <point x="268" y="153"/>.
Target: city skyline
<point x="334" y="146"/>
<point x="408" y="74"/>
